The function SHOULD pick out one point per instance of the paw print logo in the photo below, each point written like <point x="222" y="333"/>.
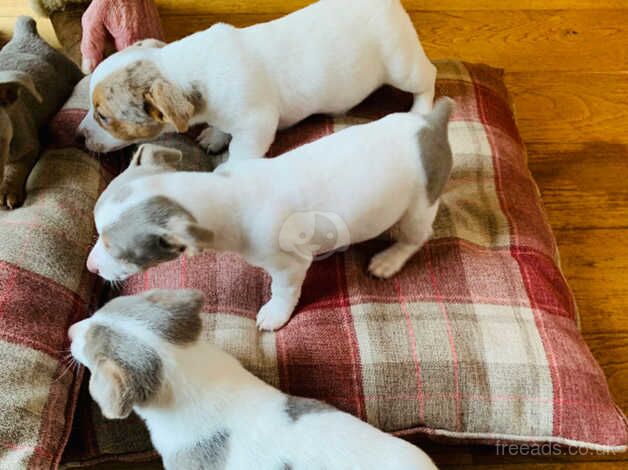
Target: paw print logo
<point x="314" y="235"/>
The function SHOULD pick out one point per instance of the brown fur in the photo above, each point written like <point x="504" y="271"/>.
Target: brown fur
<point x="136" y="102"/>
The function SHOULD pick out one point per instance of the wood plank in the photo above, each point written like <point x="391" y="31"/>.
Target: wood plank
<point x="285" y="6"/>
<point x="529" y="40"/>
<point x="585" y="188"/>
<point x="595" y="263"/>
<point x="574" y="128"/>
<point x="565" y="110"/>
<point x="196" y="7"/>
<point x="16" y="8"/>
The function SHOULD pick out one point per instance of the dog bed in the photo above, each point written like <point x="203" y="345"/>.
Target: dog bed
<point x="475" y="341"/>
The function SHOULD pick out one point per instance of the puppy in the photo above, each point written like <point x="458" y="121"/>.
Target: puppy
<point x="247" y="83"/>
<point x="203" y="409"/>
<point x="281" y="213"/>
<point x="28" y="63"/>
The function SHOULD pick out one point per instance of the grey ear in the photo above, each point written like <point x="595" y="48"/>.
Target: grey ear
<point x="109" y="387"/>
<point x="436" y="155"/>
<point x="189" y="301"/>
<point x="10" y="84"/>
<point x="156" y="155"/>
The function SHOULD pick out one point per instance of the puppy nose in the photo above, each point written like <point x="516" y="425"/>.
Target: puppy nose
<point x="72" y="332"/>
<point x="91" y="266"/>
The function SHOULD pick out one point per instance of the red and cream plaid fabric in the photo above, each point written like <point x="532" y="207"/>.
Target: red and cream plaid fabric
<point x="475" y="340"/>
<point x="44" y="287"/>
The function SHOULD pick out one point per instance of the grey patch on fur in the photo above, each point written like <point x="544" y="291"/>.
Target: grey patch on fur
<point x="436" y="152"/>
<point x="171" y="314"/>
<point x="142" y="236"/>
<point x="140" y="362"/>
<point x="208" y="454"/>
<point x="297" y="407"/>
<point x="286" y="466"/>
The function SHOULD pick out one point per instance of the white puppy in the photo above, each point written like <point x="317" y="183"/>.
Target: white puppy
<point x="281" y="213"/>
<point x="203" y="409"/>
<point x="325" y="58"/>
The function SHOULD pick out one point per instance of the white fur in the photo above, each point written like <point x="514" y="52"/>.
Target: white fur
<point x="209" y="390"/>
<point x="361" y="181"/>
<point x="325" y="58"/>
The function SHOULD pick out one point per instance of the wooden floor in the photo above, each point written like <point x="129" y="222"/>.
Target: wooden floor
<point x="566" y="65"/>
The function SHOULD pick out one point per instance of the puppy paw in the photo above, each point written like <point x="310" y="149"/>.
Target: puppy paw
<point x="272" y="316"/>
<point x="389" y="262"/>
<point x="213" y="140"/>
<point x="11" y="196"/>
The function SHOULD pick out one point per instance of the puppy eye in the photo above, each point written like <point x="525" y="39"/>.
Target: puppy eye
<point x="101" y="117"/>
<point x="166" y="245"/>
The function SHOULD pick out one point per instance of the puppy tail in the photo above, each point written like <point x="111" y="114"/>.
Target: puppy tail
<point x="435" y="151"/>
<point x="25" y="25"/>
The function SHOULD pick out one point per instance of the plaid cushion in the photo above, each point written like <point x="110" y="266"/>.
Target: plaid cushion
<point x="44" y="288"/>
<point x="475" y="340"/>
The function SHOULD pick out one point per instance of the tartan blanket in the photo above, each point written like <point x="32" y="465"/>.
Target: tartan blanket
<point x="476" y="340"/>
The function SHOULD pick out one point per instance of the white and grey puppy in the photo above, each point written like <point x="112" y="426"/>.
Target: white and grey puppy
<point x="203" y="409"/>
<point x="281" y="213"/>
<point x="248" y="82"/>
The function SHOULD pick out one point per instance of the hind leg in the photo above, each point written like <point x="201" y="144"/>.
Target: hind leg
<point x="409" y="68"/>
<point x="415" y="228"/>
<point x="419" y="79"/>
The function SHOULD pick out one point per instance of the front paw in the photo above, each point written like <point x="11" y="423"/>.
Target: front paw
<point x="213" y="141"/>
<point x="272" y="316"/>
<point x="11" y="195"/>
<point x="386" y="264"/>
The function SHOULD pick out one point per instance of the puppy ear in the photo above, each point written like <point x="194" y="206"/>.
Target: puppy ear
<point x="166" y="103"/>
<point x="156" y="155"/>
<point x="190" y="236"/>
<point x="10" y="84"/>
<point x="109" y="387"/>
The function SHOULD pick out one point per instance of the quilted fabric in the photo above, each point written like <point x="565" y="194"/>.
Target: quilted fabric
<point x="475" y="340"/>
